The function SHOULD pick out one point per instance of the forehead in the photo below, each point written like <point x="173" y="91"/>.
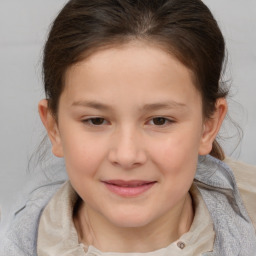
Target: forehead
<point x="136" y="69"/>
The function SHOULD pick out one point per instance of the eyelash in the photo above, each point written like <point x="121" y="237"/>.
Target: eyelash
<point x="90" y="121"/>
<point x="167" y="121"/>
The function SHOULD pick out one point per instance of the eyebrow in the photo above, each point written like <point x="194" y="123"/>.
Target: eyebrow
<point x="163" y="105"/>
<point x="92" y="104"/>
<point x="144" y="108"/>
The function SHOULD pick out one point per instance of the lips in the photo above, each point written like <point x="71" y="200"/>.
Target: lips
<point x="131" y="188"/>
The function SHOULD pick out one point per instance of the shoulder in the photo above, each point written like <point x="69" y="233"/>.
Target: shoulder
<point x="245" y="176"/>
<point x="20" y="238"/>
<point x="20" y="234"/>
<point x="244" y="173"/>
<point x="37" y="180"/>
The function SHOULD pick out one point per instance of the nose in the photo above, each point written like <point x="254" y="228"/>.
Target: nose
<point x="127" y="150"/>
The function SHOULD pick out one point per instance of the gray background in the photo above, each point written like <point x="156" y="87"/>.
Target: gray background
<point x="23" y="28"/>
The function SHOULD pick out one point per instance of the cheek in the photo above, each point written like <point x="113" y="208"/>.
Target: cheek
<point x="177" y="148"/>
<point x="83" y="155"/>
<point x="176" y="158"/>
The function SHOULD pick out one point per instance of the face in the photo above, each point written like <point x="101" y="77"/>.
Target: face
<point x="130" y="128"/>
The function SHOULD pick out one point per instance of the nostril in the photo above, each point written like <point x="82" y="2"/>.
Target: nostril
<point x="127" y="152"/>
<point x="126" y="161"/>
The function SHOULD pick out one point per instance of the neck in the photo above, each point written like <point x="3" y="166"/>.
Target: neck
<point x="94" y="230"/>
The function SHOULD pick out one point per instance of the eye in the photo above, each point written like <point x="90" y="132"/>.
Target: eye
<point x="95" y="121"/>
<point x="160" y="121"/>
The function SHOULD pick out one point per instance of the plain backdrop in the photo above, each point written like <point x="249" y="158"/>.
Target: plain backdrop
<point x="23" y="29"/>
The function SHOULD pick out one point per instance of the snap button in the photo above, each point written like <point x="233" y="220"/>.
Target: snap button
<point x="181" y="245"/>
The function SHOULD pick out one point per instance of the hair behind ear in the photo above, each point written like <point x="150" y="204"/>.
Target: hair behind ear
<point x="217" y="151"/>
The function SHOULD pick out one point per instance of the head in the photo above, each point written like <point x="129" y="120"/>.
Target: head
<point x="145" y="42"/>
<point x="184" y="28"/>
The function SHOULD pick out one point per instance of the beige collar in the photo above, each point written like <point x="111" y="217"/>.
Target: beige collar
<point x="57" y="234"/>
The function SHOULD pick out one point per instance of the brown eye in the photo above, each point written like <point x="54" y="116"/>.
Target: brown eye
<point x="159" y="121"/>
<point x="97" y="121"/>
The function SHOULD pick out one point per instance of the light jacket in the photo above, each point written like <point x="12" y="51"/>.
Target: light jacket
<point x="235" y="234"/>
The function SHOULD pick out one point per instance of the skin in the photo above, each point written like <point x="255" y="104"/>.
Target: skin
<point x="129" y="142"/>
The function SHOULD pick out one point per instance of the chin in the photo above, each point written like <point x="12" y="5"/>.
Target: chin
<point x="132" y="220"/>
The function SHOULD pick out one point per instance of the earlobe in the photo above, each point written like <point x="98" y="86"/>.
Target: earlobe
<point x="212" y="126"/>
<point x="51" y="126"/>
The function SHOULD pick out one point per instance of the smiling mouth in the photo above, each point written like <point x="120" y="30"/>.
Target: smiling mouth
<point x="128" y="188"/>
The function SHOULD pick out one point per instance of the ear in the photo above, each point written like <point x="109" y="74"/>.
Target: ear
<point x="51" y="126"/>
<point x="212" y="126"/>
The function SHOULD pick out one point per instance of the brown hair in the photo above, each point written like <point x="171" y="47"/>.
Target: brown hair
<point x="186" y="29"/>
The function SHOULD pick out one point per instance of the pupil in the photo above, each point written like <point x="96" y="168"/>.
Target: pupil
<point x="97" y="121"/>
<point x="159" y="120"/>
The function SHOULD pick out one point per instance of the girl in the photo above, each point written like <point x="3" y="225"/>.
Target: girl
<point x="134" y="102"/>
